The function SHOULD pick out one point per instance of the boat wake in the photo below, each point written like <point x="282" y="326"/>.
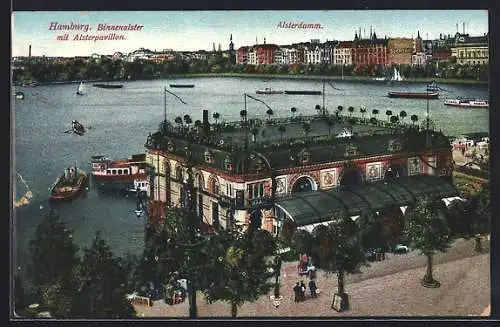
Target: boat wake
<point x="26" y="197"/>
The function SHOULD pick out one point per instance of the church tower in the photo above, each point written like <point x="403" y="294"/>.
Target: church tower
<point x="418" y="43"/>
<point x="232" y="55"/>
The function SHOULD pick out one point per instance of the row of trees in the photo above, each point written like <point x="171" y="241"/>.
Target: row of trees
<point x="235" y="266"/>
<point x="78" y="69"/>
<point x="68" y="285"/>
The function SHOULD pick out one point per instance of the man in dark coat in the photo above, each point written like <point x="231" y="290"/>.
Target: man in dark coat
<point x="302" y="291"/>
<point x="313" y="288"/>
<point x="296" y="290"/>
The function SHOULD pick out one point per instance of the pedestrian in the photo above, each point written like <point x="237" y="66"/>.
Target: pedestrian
<point x="296" y="291"/>
<point x="313" y="288"/>
<point x="302" y="291"/>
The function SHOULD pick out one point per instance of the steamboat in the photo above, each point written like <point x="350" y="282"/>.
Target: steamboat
<point x="124" y="170"/>
<point x="69" y="185"/>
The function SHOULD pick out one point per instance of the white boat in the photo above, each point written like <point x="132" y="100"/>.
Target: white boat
<point x="81" y="89"/>
<point x="346" y="132"/>
<point x="467" y="103"/>
<point x="269" y="90"/>
<point x="380" y="79"/>
<point x="140" y="185"/>
<point x="397" y="76"/>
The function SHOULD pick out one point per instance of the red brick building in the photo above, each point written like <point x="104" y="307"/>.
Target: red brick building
<point x="371" y="51"/>
<point x="266" y="53"/>
<point x="242" y="55"/>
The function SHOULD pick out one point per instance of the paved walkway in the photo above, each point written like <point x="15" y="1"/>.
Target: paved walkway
<point x="386" y="288"/>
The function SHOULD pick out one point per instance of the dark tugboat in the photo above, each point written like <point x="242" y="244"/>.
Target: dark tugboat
<point x="69" y="185"/>
<point x="182" y="85"/>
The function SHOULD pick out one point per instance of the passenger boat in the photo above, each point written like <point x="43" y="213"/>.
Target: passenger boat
<point x="414" y="95"/>
<point x="303" y="92"/>
<point x="467" y="103"/>
<point x="69" y="185"/>
<point x="269" y="90"/>
<point x="140" y="185"/>
<point x="108" y="86"/>
<point x="182" y="85"/>
<point x="127" y="170"/>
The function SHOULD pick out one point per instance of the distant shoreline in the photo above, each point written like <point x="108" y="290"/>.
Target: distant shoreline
<point x="349" y="79"/>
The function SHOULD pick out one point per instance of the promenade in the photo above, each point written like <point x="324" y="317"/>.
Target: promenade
<point x="386" y="288"/>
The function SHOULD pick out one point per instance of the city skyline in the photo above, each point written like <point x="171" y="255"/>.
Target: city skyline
<point x="196" y="30"/>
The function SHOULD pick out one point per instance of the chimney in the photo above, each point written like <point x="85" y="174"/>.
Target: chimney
<point x="463" y="27"/>
<point x="371" y="32"/>
<point x="457" y="27"/>
<point x="264" y="40"/>
<point x="29" y="52"/>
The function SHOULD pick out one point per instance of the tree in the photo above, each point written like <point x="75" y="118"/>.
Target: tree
<point x="178" y="120"/>
<point x="188" y="120"/>
<point x="427" y="231"/>
<point x="414" y="119"/>
<point x="373" y="121"/>
<point x="293" y="111"/>
<point x="243" y="114"/>
<point x="351" y="111"/>
<point x="101" y="284"/>
<point x="402" y="114"/>
<point x="375" y="112"/>
<point x="333" y="248"/>
<point x="240" y="260"/>
<point x="216" y="116"/>
<point x="363" y="112"/>
<point x="389" y="114"/>
<point x="481" y="215"/>
<point x="318" y="109"/>
<point x="339" y="109"/>
<point x="394" y="119"/>
<point x="269" y="113"/>
<point x="53" y="252"/>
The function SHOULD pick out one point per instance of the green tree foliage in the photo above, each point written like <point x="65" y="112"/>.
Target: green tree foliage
<point x="53" y="252"/>
<point x="241" y="262"/>
<point x="427" y="231"/>
<point x="333" y="248"/>
<point x="101" y="284"/>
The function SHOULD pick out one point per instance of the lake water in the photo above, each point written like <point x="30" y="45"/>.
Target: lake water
<point x="120" y="120"/>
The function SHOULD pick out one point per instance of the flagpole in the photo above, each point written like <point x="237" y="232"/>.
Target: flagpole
<point x="165" y="103"/>
<point x="245" y="121"/>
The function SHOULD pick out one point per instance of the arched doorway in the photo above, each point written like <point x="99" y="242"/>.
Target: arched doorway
<point x="350" y="177"/>
<point x="393" y="172"/>
<point x="256" y="219"/>
<point x="303" y="184"/>
<point x="392" y="224"/>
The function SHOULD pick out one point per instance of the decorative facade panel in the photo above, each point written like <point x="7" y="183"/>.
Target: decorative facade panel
<point x="328" y="178"/>
<point x="414" y="166"/>
<point x="373" y="171"/>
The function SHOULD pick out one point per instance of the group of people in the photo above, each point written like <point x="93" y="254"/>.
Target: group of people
<point x="300" y="290"/>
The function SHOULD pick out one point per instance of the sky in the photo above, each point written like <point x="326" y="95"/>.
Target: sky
<point x="197" y="30"/>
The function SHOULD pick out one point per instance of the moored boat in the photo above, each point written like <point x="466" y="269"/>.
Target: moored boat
<point x="414" y="95"/>
<point x="433" y="87"/>
<point x="19" y="95"/>
<point x="140" y="185"/>
<point x="127" y="170"/>
<point x="182" y="85"/>
<point x="108" y="86"/>
<point x="303" y="92"/>
<point x="69" y="185"/>
<point x="268" y="90"/>
<point x="467" y="103"/>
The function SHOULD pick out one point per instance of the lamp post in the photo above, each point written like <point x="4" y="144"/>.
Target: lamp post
<point x="427" y="121"/>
